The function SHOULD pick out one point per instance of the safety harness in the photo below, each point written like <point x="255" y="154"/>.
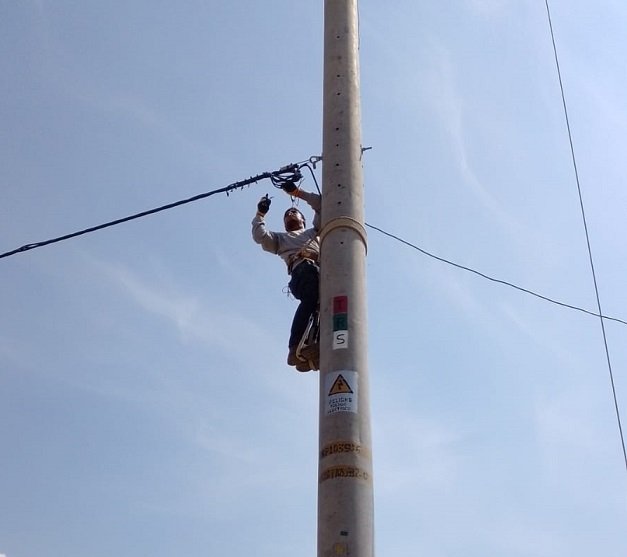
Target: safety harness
<point x="306" y="253"/>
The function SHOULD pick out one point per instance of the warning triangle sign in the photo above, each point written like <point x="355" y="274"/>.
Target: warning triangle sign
<point x="340" y="386"/>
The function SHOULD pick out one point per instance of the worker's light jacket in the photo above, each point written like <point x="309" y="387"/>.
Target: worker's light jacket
<point x="290" y="245"/>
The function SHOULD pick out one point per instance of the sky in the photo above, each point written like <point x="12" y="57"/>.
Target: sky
<point x="145" y="404"/>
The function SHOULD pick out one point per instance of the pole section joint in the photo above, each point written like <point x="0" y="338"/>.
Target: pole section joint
<point x="345" y="222"/>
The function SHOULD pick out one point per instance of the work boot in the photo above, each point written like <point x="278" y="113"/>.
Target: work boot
<point x="292" y="358"/>
<point x="303" y="366"/>
<point x="311" y="353"/>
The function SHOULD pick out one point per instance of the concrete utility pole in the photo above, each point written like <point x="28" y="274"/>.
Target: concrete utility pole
<point x="345" y="493"/>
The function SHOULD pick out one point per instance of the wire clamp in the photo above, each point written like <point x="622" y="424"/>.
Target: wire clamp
<point x="315" y="160"/>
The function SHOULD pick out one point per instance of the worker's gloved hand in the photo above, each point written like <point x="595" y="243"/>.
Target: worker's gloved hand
<point x="264" y="205"/>
<point x="289" y="187"/>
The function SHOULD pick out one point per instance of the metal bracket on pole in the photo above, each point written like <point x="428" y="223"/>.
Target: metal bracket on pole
<point x="344" y="222"/>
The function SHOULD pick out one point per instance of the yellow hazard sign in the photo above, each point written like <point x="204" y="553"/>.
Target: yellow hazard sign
<point x="342" y="392"/>
<point x="340" y="386"/>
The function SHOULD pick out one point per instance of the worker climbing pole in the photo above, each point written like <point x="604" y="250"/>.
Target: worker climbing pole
<point x="299" y="248"/>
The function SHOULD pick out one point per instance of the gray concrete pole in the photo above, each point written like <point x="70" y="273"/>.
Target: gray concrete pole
<point x="345" y="492"/>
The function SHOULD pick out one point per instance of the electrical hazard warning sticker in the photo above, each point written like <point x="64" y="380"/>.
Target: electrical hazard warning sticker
<point x="341" y="392"/>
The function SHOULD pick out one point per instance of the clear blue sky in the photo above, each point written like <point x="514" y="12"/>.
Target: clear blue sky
<point x="145" y="404"/>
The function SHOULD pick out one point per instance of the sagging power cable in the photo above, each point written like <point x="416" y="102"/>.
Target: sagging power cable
<point x="474" y="271"/>
<point x="292" y="173"/>
<point x="492" y="279"/>
<point x="278" y="177"/>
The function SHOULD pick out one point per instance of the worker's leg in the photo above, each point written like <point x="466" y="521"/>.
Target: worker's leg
<point x="304" y="287"/>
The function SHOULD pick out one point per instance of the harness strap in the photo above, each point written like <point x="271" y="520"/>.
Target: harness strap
<point x="297" y="259"/>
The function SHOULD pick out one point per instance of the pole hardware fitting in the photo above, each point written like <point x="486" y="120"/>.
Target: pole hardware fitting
<point x="344" y="222"/>
<point x="315" y="160"/>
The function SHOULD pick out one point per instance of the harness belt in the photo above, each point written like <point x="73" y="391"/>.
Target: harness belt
<point x="303" y="255"/>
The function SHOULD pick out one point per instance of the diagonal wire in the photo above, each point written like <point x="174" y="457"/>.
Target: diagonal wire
<point x="492" y="279"/>
<point x="236" y="185"/>
<point x="474" y="271"/>
<point x="291" y="172"/>
<point x="585" y="226"/>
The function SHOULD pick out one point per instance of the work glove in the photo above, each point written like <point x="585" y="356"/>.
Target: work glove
<point x="264" y="204"/>
<point x="289" y="187"/>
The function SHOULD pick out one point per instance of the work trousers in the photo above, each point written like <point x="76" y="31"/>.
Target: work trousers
<point x="304" y="286"/>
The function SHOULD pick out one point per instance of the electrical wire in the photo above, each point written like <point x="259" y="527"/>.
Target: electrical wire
<point x="585" y="226"/>
<point x="277" y="177"/>
<point x="492" y="279"/>
<point x="291" y="173"/>
<point x="478" y="273"/>
<point x="287" y="175"/>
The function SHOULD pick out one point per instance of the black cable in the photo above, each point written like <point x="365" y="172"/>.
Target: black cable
<point x="585" y="226"/>
<point x="313" y="176"/>
<point x="287" y="175"/>
<point x="511" y="285"/>
<point x="499" y="281"/>
<point x="280" y="175"/>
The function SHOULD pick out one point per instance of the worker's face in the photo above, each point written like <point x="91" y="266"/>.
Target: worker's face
<point x="293" y="220"/>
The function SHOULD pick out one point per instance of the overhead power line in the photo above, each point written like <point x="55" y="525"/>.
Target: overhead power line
<point x="585" y="226"/>
<point x="277" y="177"/>
<point x="492" y="279"/>
<point x="482" y="275"/>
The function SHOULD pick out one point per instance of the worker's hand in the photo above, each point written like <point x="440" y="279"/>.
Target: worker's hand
<point x="289" y="187"/>
<point x="264" y="204"/>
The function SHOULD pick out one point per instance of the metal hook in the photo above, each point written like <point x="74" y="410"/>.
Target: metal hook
<point x="314" y="160"/>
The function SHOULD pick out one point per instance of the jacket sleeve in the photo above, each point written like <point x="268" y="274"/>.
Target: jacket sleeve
<point x="267" y="239"/>
<point x="315" y="202"/>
